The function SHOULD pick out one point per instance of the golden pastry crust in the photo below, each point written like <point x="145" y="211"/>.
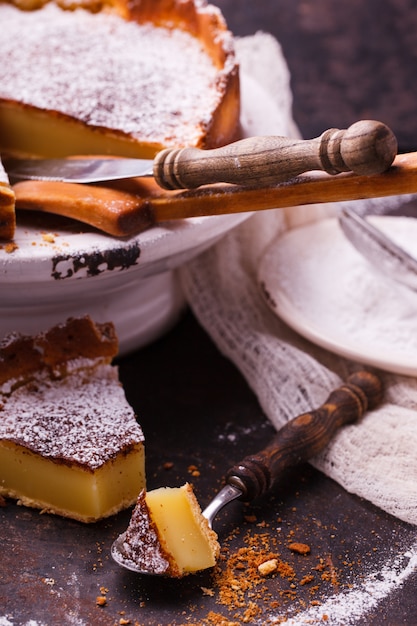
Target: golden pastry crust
<point x="57" y="350"/>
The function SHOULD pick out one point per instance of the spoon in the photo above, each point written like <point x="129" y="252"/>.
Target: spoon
<point x="383" y="253"/>
<point x="297" y="441"/>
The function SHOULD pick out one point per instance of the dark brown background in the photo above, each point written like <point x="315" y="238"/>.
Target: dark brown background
<point x="348" y="60"/>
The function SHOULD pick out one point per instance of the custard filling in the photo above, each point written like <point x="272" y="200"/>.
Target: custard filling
<point x="183" y="530"/>
<point x="70" y="490"/>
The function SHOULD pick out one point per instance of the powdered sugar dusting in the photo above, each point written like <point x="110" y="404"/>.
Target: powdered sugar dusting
<point x="136" y="79"/>
<point x="4" y="621"/>
<point x="141" y="548"/>
<point x="321" y="284"/>
<point x="83" y="418"/>
<point x="351" y="607"/>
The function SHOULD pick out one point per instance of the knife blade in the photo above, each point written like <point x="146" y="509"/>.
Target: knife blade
<point x="82" y="170"/>
<point x="367" y="147"/>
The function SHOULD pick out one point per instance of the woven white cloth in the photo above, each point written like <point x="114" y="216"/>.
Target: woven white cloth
<point x="376" y="458"/>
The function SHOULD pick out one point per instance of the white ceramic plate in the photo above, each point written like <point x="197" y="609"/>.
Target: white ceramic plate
<point x="131" y="282"/>
<point x="324" y="289"/>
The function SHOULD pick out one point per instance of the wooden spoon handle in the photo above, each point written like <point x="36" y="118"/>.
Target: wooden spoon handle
<point x="306" y="435"/>
<point x="366" y="147"/>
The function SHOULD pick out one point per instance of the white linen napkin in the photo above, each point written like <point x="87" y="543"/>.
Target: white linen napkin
<point x="376" y="458"/>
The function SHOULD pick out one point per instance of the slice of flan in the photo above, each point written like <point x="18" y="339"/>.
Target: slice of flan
<point x="114" y="77"/>
<point x="121" y="77"/>
<point x="168" y="534"/>
<point x="7" y="207"/>
<point x="70" y="443"/>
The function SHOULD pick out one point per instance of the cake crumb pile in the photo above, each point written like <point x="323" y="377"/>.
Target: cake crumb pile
<point x="268" y="578"/>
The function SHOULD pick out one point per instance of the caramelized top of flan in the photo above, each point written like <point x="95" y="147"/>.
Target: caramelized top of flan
<point x="142" y="546"/>
<point x="72" y="420"/>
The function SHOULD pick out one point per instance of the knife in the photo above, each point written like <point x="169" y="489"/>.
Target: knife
<point x="367" y="147"/>
<point x="128" y="207"/>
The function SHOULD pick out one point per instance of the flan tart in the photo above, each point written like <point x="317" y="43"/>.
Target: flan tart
<point x="70" y="443"/>
<point x="168" y="534"/>
<point x="114" y="77"/>
<point x="121" y="77"/>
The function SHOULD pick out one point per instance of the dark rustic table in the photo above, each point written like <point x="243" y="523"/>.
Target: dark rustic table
<point x="348" y="60"/>
<point x="198" y="412"/>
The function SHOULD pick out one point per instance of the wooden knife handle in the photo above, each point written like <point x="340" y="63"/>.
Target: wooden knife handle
<point x="367" y="147"/>
<point x="306" y="435"/>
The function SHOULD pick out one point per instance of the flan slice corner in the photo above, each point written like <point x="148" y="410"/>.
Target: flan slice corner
<point x="168" y="534"/>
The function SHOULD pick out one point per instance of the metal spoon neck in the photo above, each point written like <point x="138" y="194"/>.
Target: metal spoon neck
<point x="225" y="495"/>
